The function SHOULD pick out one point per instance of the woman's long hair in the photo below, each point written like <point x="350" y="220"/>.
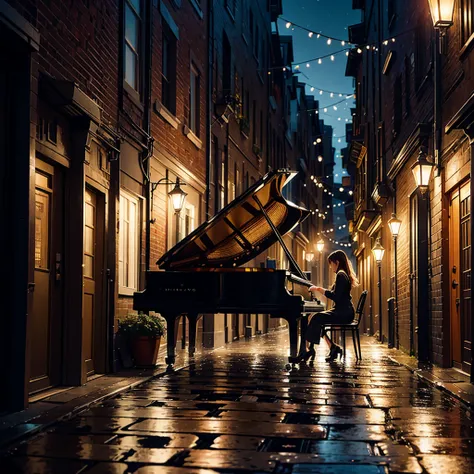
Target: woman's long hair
<point x="344" y="264"/>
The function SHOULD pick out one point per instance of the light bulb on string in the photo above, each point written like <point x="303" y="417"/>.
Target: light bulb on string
<point x="288" y="25"/>
<point x="320" y="61"/>
<point x="329" y="41"/>
<point x="332" y="57"/>
<point x="310" y="34"/>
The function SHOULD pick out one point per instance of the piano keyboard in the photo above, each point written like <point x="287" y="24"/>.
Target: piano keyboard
<point x="312" y="307"/>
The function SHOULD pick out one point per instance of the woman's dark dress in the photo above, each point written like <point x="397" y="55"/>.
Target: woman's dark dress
<point x="341" y="313"/>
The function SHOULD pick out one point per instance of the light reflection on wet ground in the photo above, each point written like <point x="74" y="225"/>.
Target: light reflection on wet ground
<point x="237" y="410"/>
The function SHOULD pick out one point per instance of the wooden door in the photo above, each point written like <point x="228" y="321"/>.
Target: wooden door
<point x="460" y="277"/>
<point x="46" y="317"/>
<point x="93" y="329"/>
<point x="414" y="242"/>
<point x="454" y="280"/>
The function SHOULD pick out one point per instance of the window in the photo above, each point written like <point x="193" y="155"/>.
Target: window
<point x="397" y="105"/>
<point x="467" y="20"/>
<point x="132" y="43"/>
<point x="194" y="100"/>
<point x="227" y="66"/>
<point x="237" y="181"/>
<point x="407" y="94"/>
<point x="256" y="43"/>
<point x="423" y="51"/>
<point x="380" y="151"/>
<point x="391" y="12"/>
<point x="254" y="122"/>
<point x="251" y="24"/>
<point x="128" y="243"/>
<point x="222" y="179"/>
<point x="168" y="70"/>
<point x="187" y="220"/>
<point x="244" y="17"/>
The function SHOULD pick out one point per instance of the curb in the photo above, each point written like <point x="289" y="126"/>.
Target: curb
<point x="439" y="385"/>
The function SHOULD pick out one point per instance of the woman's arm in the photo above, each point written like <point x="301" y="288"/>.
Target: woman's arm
<point x="320" y="289"/>
<point x="340" y="288"/>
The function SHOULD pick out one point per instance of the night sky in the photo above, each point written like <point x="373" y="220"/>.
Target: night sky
<point x="332" y="18"/>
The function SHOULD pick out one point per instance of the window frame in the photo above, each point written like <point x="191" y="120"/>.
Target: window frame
<point x="194" y="99"/>
<point x="134" y="270"/>
<point x="138" y="51"/>
<point x="168" y="81"/>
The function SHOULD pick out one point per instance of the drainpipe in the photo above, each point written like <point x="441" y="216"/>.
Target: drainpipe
<point x="210" y="35"/>
<point x="148" y="154"/>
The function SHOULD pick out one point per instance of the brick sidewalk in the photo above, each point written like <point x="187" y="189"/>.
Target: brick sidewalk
<point x="237" y="410"/>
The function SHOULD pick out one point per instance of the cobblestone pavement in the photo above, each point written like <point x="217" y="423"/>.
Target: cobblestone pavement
<point x="237" y="410"/>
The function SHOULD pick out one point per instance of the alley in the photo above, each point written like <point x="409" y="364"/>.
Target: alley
<point x="236" y="410"/>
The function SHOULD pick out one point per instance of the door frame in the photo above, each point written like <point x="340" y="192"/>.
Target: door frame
<point x="100" y="333"/>
<point x="56" y="289"/>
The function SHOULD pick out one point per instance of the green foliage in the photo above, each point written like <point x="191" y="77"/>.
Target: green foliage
<point x="141" y="324"/>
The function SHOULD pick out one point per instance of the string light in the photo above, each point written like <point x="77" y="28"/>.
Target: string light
<point x="343" y="42"/>
<point x="329" y="38"/>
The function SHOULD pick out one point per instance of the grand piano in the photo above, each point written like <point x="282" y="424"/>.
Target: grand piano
<point x="203" y="273"/>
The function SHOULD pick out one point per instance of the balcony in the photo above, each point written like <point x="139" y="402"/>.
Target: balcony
<point x="364" y="218"/>
<point x="357" y="34"/>
<point x="380" y="194"/>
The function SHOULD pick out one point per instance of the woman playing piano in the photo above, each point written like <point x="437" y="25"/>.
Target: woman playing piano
<point x="341" y="313"/>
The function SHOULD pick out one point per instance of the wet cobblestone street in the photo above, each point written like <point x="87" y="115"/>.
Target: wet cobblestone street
<point x="237" y="410"/>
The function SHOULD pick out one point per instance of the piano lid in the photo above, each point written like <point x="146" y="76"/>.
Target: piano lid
<point x="239" y="232"/>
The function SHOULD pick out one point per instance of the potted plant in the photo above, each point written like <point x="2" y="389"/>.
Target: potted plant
<point x="144" y="333"/>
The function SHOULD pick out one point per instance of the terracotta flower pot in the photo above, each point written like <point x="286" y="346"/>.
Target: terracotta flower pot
<point x="145" y="350"/>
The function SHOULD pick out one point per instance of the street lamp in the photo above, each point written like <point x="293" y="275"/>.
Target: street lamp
<point x="422" y="169"/>
<point x="309" y="256"/>
<point x="320" y="245"/>
<point x="394" y="224"/>
<point x="442" y="12"/>
<point x="378" y="251"/>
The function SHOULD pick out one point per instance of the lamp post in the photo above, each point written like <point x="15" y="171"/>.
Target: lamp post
<point x="378" y="251"/>
<point x="320" y="249"/>
<point x="394" y="224"/>
<point x="442" y="12"/>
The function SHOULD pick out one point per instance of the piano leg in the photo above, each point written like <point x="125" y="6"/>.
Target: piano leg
<point x="293" y="328"/>
<point x="193" y="319"/>
<point x="171" y="326"/>
<point x="303" y="327"/>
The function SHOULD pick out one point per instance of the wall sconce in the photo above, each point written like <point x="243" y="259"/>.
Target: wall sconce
<point x="177" y="195"/>
<point x="442" y="12"/>
<point x="422" y="169"/>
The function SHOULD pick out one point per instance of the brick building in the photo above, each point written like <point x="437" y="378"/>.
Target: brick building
<point x="104" y="106"/>
<point x="395" y="69"/>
